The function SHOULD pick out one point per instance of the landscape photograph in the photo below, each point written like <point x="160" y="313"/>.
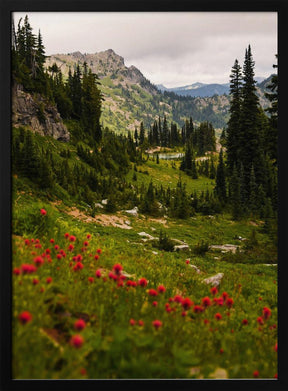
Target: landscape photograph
<point x="144" y="185"/>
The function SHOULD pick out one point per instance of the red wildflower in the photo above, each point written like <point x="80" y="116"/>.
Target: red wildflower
<point x="256" y="374"/>
<point x="52" y="241"/>
<point x="183" y="313"/>
<point x="131" y="283"/>
<point x="79" y="324"/>
<point x="88" y="236"/>
<point x="178" y="299"/>
<point x="72" y="238"/>
<point x="98" y="273"/>
<point x="27" y="268"/>
<point x="59" y="256"/>
<point x="85" y="243"/>
<point x="206" y="302"/>
<point x="78" y="266"/>
<point x="43" y="212"/>
<point x="83" y="371"/>
<point x="161" y="289"/>
<point x="155" y="303"/>
<point x="38" y="261"/>
<point x="112" y="276"/>
<point x="16" y="271"/>
<point x="62" y="252"/>
<point x="221" y="351"/>
<point x="91" y="279"/>
<point x="186" y="303"/>
<point x="206" y="321"/>
<point x="49" y="280"/>
<point x="276" y="347"/>
<point x="79" y="258"/>
<point x="229" y="302"/>
<point x="35" y="281"/>
<point x="96" y="257"/>
<point x="168" y="309"/>
<point x="266" y="312"/>
<point x="140" y="322"/>
<point x="67" y="235"/>
<point x="244" y="321"/>
<point x="218" y="300"/>
<point x="132" y="322"/>
<point x="99" y="251"/>
<point x="117" y="268"/>
<point x="152" y="292"/>
<point x="70" y="247"/>
<point x="27" y="242"/>
<point x="260" y="320"/>
<point x="157" y="324"/>
<point x="276" y="376"/>
<point x="56" y="247"/>
<point x="143" y="282"/>
<point x="214" y="290"/>
<point x="25" y="317"/>
<point x="187" y="261"/>
<point x="76" y="341"/>
<point x="224" y="295"/>
<point x="198" y="308"/>
<point x="260" y="298"/>
<point x="218" y="316"/>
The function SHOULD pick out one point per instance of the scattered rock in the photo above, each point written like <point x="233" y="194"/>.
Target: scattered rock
<point x="104" y="202"/>
<point x="219" y="373"/>
<point x="98" y="205"/>
<point x="145" y="235"/>
<point x="154" y="252"/>
<point x="224" y="247"/>
<point x="133" y="212"/>
<point x="214" y="280"/>
<point x="198" y="271"/>
<point x="181" y="247"/>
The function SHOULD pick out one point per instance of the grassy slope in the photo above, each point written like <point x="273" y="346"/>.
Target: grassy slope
<point x="113" y="348"/>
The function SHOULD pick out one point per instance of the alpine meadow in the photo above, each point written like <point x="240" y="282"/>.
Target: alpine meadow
<point x="144" y="218"/>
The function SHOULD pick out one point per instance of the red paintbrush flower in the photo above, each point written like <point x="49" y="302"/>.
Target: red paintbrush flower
<point x="161" y="289"/>
<point x="266" y="313"/>
<point x="152" y="292"/>
<point x="43" y="212"/>
<point x="76" y="341"/>
<point x="142" y="282"/>
<point x="206" y="301"/>
<point x="49" y="280"/>
<point x="187" y="303"/>
<point x="79" y="324"/>
<point x="98" y="273"/>
<point x="157" y="324"/>
<point x="117" y="268"/>
<point x="38" y="261"/>
<point x="91" y="279"/>
<point x="198" y="309"/>
<point x="25" y="317"/>
<point x="218" y="316"/>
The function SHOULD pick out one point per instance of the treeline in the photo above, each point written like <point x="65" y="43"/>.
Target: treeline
<point x="201" y="139"/>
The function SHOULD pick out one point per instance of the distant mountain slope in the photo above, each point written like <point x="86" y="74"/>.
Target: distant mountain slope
<point x="131" y="98"/>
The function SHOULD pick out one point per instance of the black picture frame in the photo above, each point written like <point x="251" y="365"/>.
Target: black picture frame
<point x="7" y="383"/>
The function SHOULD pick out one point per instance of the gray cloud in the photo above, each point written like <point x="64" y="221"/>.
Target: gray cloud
<point x="169" y="48"/>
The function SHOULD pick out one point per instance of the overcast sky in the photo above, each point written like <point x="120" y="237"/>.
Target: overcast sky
<point x="173" y="49"/>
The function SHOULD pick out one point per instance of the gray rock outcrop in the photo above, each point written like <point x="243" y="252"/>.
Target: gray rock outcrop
<point x="37" y="114"/>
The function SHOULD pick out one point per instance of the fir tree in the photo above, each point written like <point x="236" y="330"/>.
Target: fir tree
<point x="232" y="140"/>
<point x="220" y="188"/>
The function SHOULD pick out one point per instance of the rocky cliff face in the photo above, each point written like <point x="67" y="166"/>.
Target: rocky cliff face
<point x="104" y="64"/>
<point x="37" y="114"/>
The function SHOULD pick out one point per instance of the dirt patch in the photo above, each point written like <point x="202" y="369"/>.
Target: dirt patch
<point x="102" y="219"/>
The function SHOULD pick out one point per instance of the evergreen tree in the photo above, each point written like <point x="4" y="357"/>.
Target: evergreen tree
<point x="142" y="134"/>
<point x="232" y="140"/>
<point x="91" y="105"/>
<point x="250" y="142"/>
<point x="220" y="187"/>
